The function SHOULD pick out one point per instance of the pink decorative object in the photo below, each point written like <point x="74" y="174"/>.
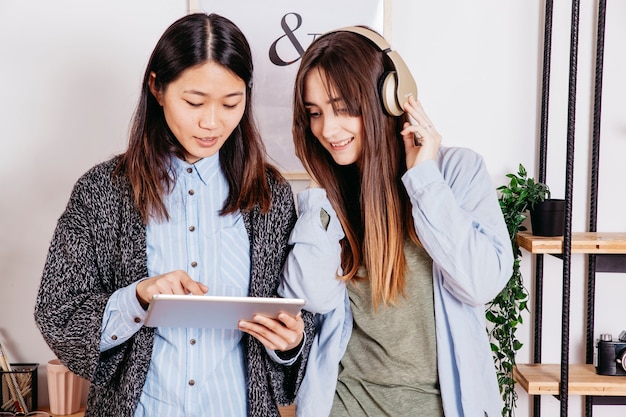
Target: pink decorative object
<point x="64" y="389"/>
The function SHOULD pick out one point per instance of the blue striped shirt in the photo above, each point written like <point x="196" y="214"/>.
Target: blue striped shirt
<point x="193" y="372"/>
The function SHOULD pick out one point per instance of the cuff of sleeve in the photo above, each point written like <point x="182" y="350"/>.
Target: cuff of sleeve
<point x="313" y="198"/>
<point x="127" y="300"/>
<point x="311" y="203"/>
<point x="122" y="318"/>
<point x="289" y="357"/>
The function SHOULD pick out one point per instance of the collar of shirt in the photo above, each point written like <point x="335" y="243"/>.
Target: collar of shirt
<point x="205" y="168"/>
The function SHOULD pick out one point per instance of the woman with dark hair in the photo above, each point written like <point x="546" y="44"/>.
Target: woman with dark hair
<point x="399" y="243"/>
<point x="191" y="207"/>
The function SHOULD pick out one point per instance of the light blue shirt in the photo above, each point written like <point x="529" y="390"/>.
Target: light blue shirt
<point x="459" y="222"/>
<point x="193" y="372"/>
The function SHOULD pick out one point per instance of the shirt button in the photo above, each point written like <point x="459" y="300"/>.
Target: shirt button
<point x="192" y="342"/>
<point x="190" y="170"/>
<point x="192" y="228"/>
<point x="191" y="192"/>
<point x="192" y="382"/>
<point x="114" y="337"/>
<point x="194" y="264"/>
<point x="137" y="320"/>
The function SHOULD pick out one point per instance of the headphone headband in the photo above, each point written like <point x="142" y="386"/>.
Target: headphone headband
<point x="395" y="86"/>
<point x="370" y="34"/>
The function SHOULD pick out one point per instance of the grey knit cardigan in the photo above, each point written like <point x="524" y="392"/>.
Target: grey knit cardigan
<point x="99" y="246"/>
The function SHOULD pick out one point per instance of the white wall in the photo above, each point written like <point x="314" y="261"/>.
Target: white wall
<point x="71" y="74"/>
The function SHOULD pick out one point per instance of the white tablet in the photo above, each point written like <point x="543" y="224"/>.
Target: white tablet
<point x="218" y="312"/>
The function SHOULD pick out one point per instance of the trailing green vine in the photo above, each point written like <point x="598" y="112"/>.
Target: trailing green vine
<point x="504" y="312"/>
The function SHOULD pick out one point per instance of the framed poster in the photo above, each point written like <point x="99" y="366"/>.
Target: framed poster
<point x="279" y="31"/>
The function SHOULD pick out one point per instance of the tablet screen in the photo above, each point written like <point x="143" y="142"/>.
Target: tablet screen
<point x="219" y="312"/>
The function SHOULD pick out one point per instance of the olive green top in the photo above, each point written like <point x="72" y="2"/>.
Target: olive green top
<point x="390" y="365"/>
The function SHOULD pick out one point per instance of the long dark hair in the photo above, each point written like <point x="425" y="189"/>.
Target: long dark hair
<point x="370" y="201"/>
<point x="190" y="41"/>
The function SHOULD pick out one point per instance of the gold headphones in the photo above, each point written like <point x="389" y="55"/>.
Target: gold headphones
<point x="394" y="86"/>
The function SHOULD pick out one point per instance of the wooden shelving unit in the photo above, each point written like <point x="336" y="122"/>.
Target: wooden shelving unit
<point x="606" y="252"/>
<point x="544" y="379"/>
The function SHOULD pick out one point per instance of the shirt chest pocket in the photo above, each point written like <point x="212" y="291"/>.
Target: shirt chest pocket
<point x="228" y="260"/>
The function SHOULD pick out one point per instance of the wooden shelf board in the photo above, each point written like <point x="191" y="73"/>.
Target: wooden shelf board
<point x="544" y="379"/>
<point x="582" y="242"/>
<point x="80" y="413"/>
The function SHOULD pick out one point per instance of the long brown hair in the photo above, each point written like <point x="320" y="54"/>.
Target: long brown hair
<point x="190" y="41"/>
<point x="369" y="198"/>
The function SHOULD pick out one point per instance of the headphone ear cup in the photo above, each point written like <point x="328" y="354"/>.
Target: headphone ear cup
<point x="387" y="89"/>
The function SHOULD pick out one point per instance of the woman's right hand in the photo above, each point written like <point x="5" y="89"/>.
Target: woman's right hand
<point x="427" y="145"/>
<point x="175" y="282"/>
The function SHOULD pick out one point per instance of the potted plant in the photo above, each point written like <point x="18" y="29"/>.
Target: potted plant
<point x="547" y="215"/>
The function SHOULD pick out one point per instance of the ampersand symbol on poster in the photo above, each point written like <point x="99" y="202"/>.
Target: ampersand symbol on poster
<point x="289" y="34"/>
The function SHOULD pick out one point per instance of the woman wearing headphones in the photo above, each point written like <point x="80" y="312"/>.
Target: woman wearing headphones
<point x="399" y="244"/>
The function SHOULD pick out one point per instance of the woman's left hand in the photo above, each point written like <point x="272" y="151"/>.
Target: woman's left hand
<point x="421" y="140"/>
<point x="283" y="334"/>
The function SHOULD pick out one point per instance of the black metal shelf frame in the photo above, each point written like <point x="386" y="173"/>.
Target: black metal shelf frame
<point x="596" y="263"/>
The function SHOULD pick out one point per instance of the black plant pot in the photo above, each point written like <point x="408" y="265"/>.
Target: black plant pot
<point x="547" y="217"/>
